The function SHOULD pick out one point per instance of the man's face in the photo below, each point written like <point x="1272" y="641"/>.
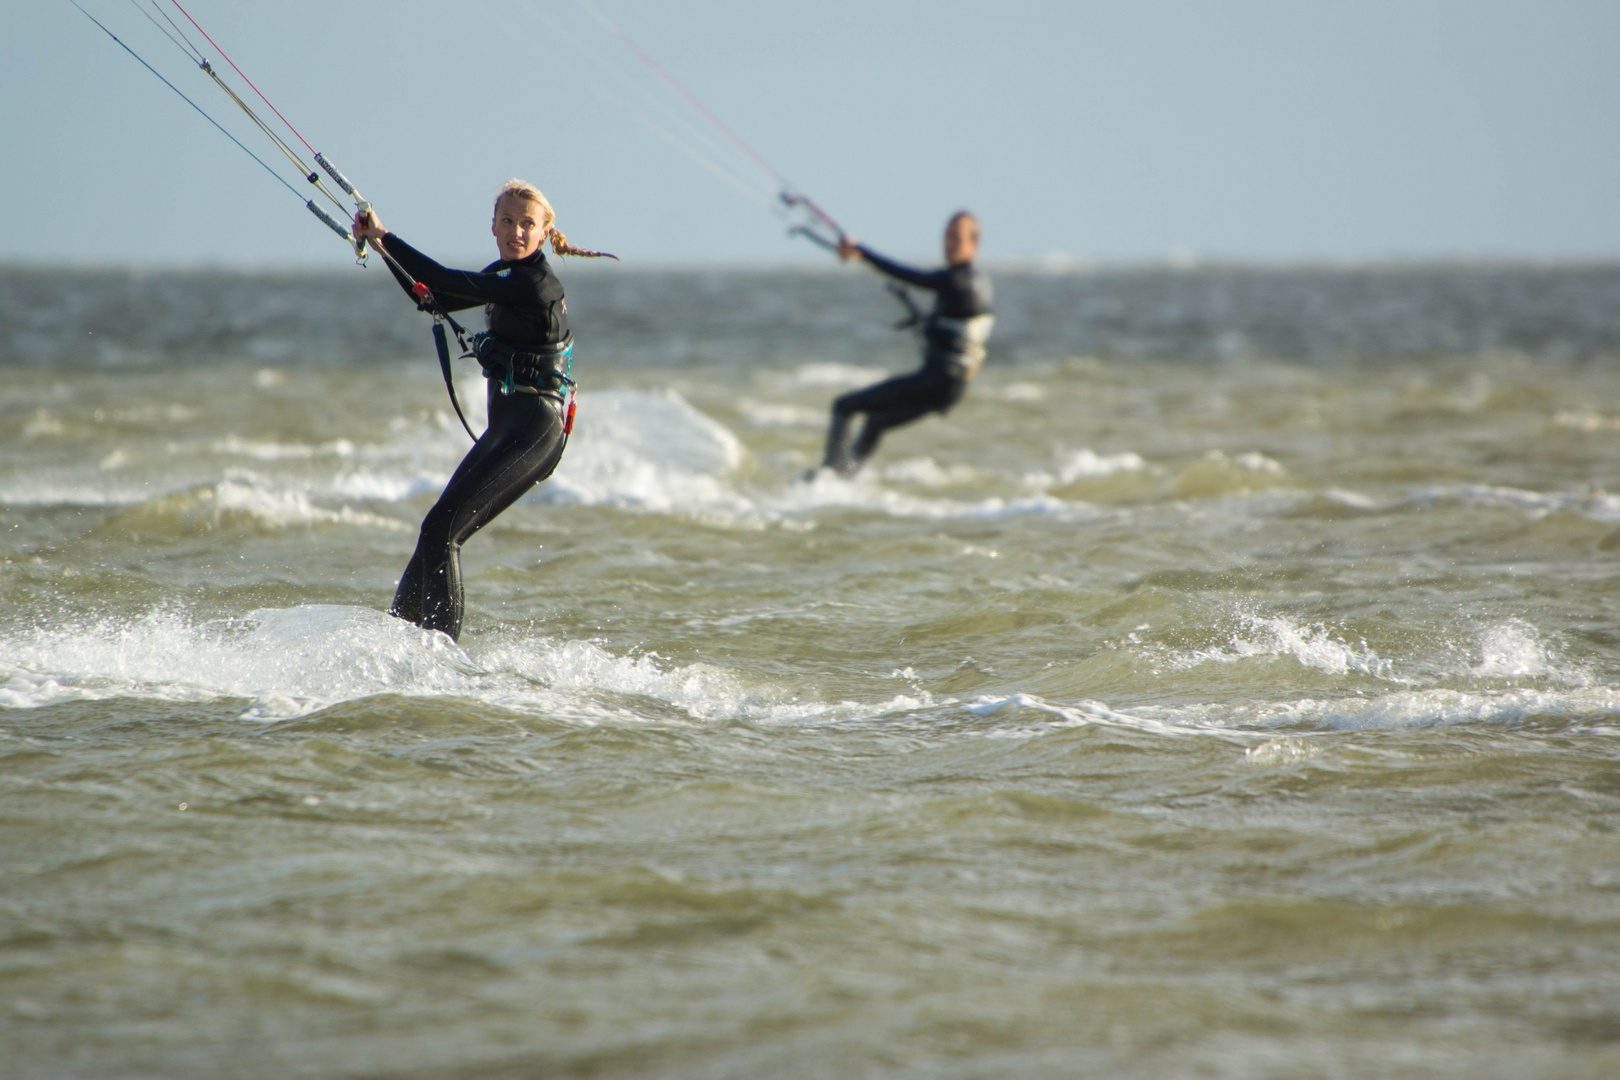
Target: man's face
<point x="961" y="240"/>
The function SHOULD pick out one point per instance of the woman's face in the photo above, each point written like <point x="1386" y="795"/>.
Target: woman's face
<point x="519" y="227"/>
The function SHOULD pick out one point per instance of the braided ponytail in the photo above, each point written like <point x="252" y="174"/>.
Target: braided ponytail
<point x="559" y="243"/>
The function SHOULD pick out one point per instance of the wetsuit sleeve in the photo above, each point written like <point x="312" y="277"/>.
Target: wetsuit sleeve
<point x="458" y="289"/>
<point x="923" y="279"/>
<point x="399" y="276"/>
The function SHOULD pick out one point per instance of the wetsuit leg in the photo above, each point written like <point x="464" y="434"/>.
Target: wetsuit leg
<point x="887" y="405"/>
<point x="521" y="447"/>
<point x="879" y="421"/>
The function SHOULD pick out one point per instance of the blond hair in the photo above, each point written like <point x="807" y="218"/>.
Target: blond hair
<point x="522" y="189"/>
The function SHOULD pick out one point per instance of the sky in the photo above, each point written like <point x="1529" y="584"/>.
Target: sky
<point x="1093" y="132"/>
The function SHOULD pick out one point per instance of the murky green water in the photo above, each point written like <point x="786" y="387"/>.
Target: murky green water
<point x="1207" y="696"/>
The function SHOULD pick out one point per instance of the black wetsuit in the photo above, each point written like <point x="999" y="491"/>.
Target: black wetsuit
<point x="527" y="324"/>
<point x="953" y="334"/>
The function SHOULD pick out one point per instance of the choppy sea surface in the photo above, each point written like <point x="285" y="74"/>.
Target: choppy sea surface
<point x="1228" y="687"/>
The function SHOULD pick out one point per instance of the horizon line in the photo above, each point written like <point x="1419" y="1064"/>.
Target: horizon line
<point x="1055" y="263"/>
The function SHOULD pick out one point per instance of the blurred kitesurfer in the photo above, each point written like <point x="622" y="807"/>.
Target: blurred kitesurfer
<point x="524" y="351"/>
<point x="954" y="336"/>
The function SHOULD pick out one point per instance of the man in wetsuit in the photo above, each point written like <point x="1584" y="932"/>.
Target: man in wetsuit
<point x="954" y="337"/>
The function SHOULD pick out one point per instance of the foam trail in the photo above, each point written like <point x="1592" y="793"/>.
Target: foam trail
<point x="287" y="662"/>
<point x="1082" y="714"/>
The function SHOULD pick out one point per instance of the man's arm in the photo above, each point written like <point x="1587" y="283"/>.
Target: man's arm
<point x="934" y="280"/>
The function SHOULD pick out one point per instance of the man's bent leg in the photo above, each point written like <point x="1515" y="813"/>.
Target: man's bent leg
<point x="837" y="456"/>
<point x="913" y="394"/>
<point x="877" y="423"/>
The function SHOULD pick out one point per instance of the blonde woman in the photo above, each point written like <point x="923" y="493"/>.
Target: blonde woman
<point x="524" y="350"/>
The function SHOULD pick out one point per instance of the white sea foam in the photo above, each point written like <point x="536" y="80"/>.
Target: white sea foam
<point x="277" y="503"/>
<point x="284" y="662"/>
<point x="835" y="376"/>
<point x="647" y="451"/>
<point x="1352" y="499"/>
<point x="1088" y="463"/>
<point x="636" y="451"/>
<point x="1257" y="722"/>
<point x="385" y="484"/>
<point x="1585" y="420"/>
<point x="762" y="414"/>
<point x="413" y="460"/>
<point x="656" y="453"/>
<point x="1016" y="707"/>
<point x="266" y="450"/>
<point x="1439" y="707"/>
<point x="277" y="507"/>
<point x="826" y="490"/>
<point x="44" y="424"/>
<point x="1514" y="649"/>
<point x="1286" y="750"/>
<point x="1509" y="650"/>
<point x="1313" y="646"/>
<point x="1603" y="508"/>
<point x="279" y="663"/>
<point x="1597" y="506"/>
<point x="926" y="472"/>
<point x="85" y="486"/>
<point x="584" y="671"/>
<point x="1020" y="392"/>
<point x="1084" y="464"/>
<point x="1254" y="461"/>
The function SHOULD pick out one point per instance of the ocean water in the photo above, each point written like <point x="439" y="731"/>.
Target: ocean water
<point x="1228" y="687"/>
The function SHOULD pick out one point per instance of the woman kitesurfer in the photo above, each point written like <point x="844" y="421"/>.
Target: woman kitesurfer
<point x="954" y="336"/>
<point x="523" y="350"/>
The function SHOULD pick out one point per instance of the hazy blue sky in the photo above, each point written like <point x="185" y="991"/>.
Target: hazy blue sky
<point x="1127" y="130"/>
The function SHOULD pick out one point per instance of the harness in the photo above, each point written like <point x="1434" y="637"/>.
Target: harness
<point x="529" y="369"/>
<point x="524" y="369"/>
<point x="960" y="341"/>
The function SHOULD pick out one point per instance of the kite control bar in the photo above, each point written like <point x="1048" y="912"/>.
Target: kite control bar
<point x="361" y="206"/>
<point x="814" y="237"/>
<point x="333" y="224"/>
<point x="821" y="224"/>
<point x="791" y="199"/>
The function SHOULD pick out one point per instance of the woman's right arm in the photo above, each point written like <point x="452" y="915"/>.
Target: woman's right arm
<point x="463" y="288"/>
<point x="442" y="280"/>
<point x="368" y="227"/>
<point x="453" y="290"/>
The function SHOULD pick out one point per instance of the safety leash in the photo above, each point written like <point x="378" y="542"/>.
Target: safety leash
<point x="426" y="301"/>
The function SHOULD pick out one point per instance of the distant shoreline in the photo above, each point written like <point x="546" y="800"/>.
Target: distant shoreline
<point x="1037" y="266"/>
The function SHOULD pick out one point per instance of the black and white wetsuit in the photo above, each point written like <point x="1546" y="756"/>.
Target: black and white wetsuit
<point x="954" y="336"/>
<point x="526" y="320"/>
